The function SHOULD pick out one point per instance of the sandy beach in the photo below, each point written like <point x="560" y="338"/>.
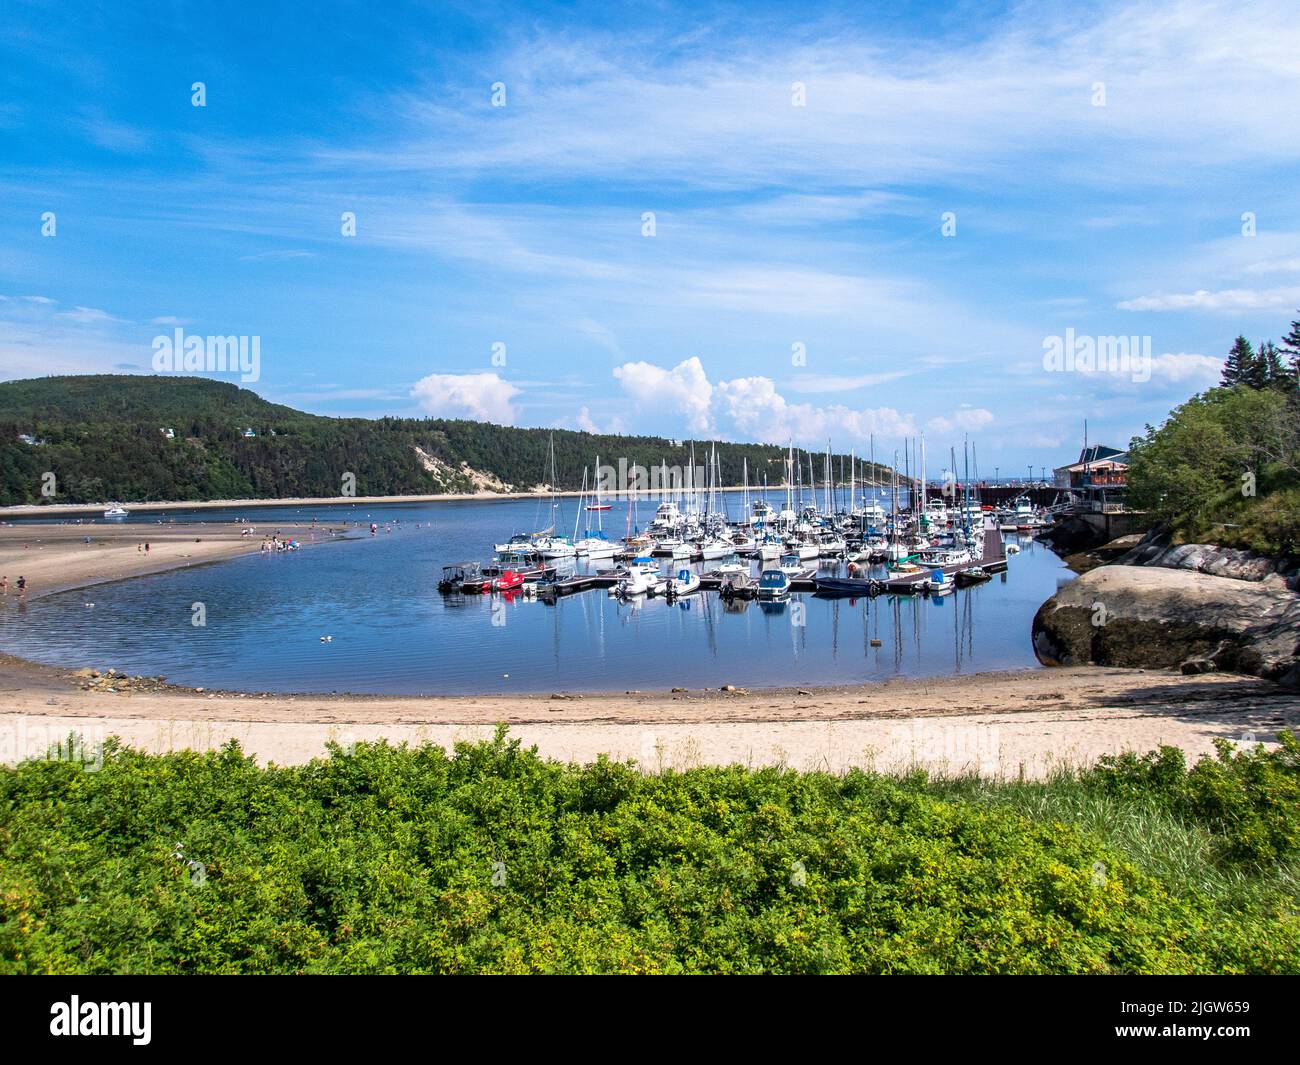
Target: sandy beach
<point x="56" y="558"/>
<point x="1008" y="724"/>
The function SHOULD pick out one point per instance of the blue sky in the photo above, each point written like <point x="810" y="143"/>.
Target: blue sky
<point x="798" y="283"/>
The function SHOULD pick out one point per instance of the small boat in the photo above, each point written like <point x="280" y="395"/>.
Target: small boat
<point x="936" y="584"/>
<point x="116" y="512"/>
<point x="518" y="542"/>
<point x="773" y="584"/>
<point x="598" y="506"/>
<point x="508" y="581"/>
<point x="972" y="575"/>
<point x="1013" y="549"/>
<point x="738" y="585"/>
<point x="454" y="578"/>
<point x="856" y="586"/>
<point x="640" y="578"/>
<point x="684" y="583"/>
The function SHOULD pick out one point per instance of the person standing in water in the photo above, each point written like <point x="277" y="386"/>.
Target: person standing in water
<point x="22" y="585"/>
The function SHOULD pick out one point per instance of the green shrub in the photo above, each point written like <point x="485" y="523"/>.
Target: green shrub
<point x="491" y="859"/>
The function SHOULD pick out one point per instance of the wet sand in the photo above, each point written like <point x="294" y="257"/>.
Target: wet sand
<point x="1007" y="724"/>
<point x="56" y="558"/>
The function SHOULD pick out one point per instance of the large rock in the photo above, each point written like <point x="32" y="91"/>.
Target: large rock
<point x="1152" y="617"/>
<point x="1155" y="549"/>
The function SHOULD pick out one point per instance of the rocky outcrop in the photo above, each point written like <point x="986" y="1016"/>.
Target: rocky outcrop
<point x="1157" y="617"/>
<point x="1156" y="549"/>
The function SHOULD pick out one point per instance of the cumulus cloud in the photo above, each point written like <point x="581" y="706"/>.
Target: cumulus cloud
<point x="684" y="388"/>
<point x="1177" y="367"/>
<point x="484" y="397"/>
<point x="751" y="408"/>
<point x="1229" y="299"/>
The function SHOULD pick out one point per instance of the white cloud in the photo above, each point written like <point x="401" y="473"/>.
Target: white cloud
<point x="966" y="420"/>
<point x="1183" y="366"/>
<point x="1231" y="299"/>
<point x="483" y="397"/>
<point x="832" y="383"/>
<point x="88" y="316"/>
<point x="168" y="319"/>
<point x="1275" y="266"/>
<point x="685" y="388"/>
<point x="751" y="408"/>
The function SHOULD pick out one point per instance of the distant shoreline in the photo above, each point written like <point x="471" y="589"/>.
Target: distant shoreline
<point x="37" y="510"/>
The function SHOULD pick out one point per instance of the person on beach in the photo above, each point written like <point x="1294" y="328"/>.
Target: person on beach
<point x="22" y="585"/>
<point x="4" y="585"/>
<point x="146" y="547"/>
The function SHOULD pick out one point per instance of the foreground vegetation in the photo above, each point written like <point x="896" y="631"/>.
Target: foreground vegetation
<point x="1225" y="467"/>
<point x="101" y="436"/>
<point x="490" y="859"/>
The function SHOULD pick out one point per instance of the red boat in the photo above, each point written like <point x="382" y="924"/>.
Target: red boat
<point x="599" y="506"/>
<point x="507" y="581"/>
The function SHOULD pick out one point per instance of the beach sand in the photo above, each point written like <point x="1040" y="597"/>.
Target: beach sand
<point x="1008" y="724"/>
<point x="56" y="558"/>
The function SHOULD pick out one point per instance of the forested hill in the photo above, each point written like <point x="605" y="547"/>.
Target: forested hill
<point x="105" y="437"/>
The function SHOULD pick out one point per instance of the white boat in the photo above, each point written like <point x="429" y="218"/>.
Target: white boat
<point x="116" y="512"/>
<point x="793" y="567"/>
<point x="518" y="542"/>
<point x="684" y="583"/>
<point x="595" y="546"/>
<point x="640" y="578"/>
<point x="937" y="584"/>
<point x="555" y="547"/>
<point x="712" y="549"/>
<point x="802" y="549"/>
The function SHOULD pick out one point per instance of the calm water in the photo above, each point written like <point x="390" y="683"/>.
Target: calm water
<point x="392" y="632"/>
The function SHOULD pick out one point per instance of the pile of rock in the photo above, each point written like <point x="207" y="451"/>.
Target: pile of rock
<point x="110" y="680"/>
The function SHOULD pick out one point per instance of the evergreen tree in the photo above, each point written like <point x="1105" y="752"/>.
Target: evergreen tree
<point x="1270" y="370"/>
<point x="1240" y="367"/>
<point x="1291" y="348"/>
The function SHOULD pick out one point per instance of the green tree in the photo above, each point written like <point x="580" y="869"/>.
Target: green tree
<point x="1240" y="365"/>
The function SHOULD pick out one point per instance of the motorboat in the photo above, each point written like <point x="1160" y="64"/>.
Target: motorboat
<point x="684" y="583"/>
<point x="518" y="542"/>
<point x="972" y="575"/>
<point x="116" y="512"/>
<point x="847" y="586"/>
<point x="936" y="584"/>
<point x="641" y="577"/>
<point x="555" y="547"/>
<point x="455" y="577"/>
<point x="773" y="584"/>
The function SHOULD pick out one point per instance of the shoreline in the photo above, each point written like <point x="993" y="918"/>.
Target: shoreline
<point x="29" y="510"/>
<point x="1025" y="723"/>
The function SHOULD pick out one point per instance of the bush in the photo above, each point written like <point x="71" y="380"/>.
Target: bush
<point x="491" y="859"/>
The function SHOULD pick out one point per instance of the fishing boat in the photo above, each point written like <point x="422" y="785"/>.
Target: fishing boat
<point x="971" y="575"/>
<point x="773" y="584"/>
<point x="116" y="512"/>
<point x="455" y="577"/>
